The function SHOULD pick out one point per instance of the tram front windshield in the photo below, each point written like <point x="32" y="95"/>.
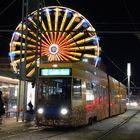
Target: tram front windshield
<point x="54" y="91"/>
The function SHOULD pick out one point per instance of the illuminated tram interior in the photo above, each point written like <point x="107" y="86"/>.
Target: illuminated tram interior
<point x="55" y="91"/>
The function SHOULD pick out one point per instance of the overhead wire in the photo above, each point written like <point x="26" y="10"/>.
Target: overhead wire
<point x="131" y="19"/>
<point x="132" y="22"/>
<point x="118" y="69"/>
<point x="7" y="7"/>
<point x="129" y="14"/>
<point x="1" y="1"/>
<point x="114" y="63"/>
<point x="10" y="25"/>
<point x="59" y="2"/>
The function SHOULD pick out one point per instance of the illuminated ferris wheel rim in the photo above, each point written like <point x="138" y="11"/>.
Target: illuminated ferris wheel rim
<point x="61" y="8"/>
<point x="55" y="48"/>
<point x="92" y="29"/>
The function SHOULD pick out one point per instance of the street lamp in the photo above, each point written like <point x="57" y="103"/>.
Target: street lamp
<point x="128" y="77"/>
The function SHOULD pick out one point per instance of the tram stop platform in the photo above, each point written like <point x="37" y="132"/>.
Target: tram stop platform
<point x="11" y="126"/>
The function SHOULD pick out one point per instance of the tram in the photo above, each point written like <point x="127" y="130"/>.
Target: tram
<point x="75" y="94"/>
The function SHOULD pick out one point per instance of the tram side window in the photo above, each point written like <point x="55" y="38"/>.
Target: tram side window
<point x="90" y="96"/>
<point x="77" y="88"/>
<point x="105" y="94"/>
<point x="100" y="92"/>
<point x="89" y="86"/>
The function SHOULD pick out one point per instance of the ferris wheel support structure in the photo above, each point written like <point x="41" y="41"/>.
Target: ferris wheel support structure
<point x="21" y="105"/>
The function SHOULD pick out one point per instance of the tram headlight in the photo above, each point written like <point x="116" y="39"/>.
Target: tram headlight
<point x="40" y="111"/>
<point x="64" y="111"/>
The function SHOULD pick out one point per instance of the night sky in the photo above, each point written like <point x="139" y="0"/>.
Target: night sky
<point x="117" y="24"/>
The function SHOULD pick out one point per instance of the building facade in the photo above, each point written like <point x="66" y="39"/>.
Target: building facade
<point x="9" y="86"/>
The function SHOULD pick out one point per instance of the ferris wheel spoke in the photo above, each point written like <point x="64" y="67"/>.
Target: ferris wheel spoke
<point x="23" y="51"/>
<point x="70" y="39"/>
<point x="62" y="26"/>
<point x="74" y="53"/>
<point x="27" y="37"/>
<point x="49" y="24"/>
<point x="46" y="39"/>
<point x="30" y="64"/>
<point x="45" y="34"/>
<point x="62" y="58"/>
<point x="68" y="28"/>
<point x="71" y="57"/>
<point x="51" y="58"/>
<point x="43" y="25"/>
<point x="76" y="37"/>
<point x="32" y="21"/>
<point x="18" y="61"/>
<point x="32" y="71"/>
<point x="45" y="52"/>
<point x="89" y="56"/>
<point x="56" y="24"/>
<point x="82" y="41"/>
<point x="84" y="48"/>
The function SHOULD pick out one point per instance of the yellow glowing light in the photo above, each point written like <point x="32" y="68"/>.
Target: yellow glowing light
<point x="63" y="35"/>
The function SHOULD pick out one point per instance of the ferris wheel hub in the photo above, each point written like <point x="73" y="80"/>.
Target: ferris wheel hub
<point x="53" y="49"/>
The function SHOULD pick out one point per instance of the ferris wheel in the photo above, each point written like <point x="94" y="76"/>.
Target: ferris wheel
<point x="59" y="33"/>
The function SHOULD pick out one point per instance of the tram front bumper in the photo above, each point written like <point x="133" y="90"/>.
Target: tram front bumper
<point x="53" y="121"/>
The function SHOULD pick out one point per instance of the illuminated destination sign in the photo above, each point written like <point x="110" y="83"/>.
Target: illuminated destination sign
<point x="55" y="72"/>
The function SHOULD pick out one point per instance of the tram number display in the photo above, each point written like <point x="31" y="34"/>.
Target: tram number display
<point x="55" y="72"/>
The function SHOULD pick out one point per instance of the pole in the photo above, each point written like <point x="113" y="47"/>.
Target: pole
<point x="128" y="75"/>
<point x="37" y="55"/>
<point x="20" y="69"/>
<point x="128" y="87"/>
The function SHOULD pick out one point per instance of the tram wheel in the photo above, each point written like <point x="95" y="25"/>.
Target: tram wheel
<point x="90" y="121"/>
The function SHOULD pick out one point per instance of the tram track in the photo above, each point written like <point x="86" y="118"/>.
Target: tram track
<point x="53" y="133"/>
<point x="51" y="136"/>
<point x="102" y="135"/>
<point x="29" y="131"/>
<point x="67" y="130"/>
<point x="116" y="127"/>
